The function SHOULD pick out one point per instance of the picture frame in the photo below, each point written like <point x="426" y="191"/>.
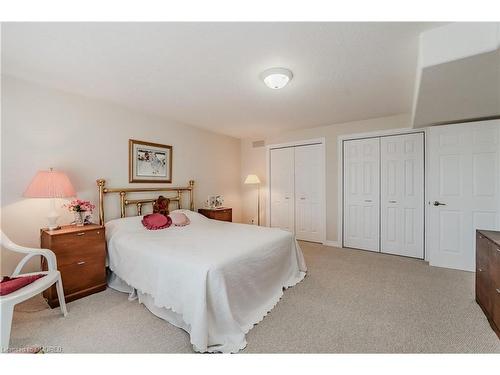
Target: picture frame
<point x="149" y="162"/>
<point x="214" y="201"/>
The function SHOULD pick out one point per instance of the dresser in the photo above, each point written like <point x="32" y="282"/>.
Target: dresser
<point x="81" y="257"/>
<point x="222" y="214"/>
<point x="488" y="275"/>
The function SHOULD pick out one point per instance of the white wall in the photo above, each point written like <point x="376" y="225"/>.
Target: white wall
<point x="457" y="41"/>
<point x="88" y="139"/>
<point x="253" y="161"/>
<point x="451" y="42"/>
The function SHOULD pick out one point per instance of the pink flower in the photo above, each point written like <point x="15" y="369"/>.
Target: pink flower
<point x="79" y="205"/>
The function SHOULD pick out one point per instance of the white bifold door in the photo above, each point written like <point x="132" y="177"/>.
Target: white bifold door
<point x="402" y="195"/>
<point x="296" y="191"/>
<point x="362" y="194"/>
<point x="464" y="190"/>
<point x="384" y="194"/>
<point x="282" y="191"/>
<point x="309" y="187"/>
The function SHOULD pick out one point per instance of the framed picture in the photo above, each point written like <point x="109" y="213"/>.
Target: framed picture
<point x="214" y="201"/>
<point x="149" y="162"/>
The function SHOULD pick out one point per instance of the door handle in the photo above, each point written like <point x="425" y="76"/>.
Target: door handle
<point x="498" y="291"/>
<point x="302" y="198"/>
<point x="80" y="263"/>
<point x="393" y="202"/>
<point x="368" y="200"/>
<point x="437" y="203"/>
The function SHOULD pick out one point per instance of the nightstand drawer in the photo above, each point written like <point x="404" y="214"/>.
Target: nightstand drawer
<point x="81" y="245"/>
<point x="83" y="275"/>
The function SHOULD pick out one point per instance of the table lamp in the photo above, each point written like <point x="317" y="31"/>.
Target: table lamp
<point x="50" y="184"/>
<point x="254" y="179"/>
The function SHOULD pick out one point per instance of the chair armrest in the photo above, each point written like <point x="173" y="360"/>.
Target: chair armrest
<point x="31" y="252"/>
<point x="46" y="253"/>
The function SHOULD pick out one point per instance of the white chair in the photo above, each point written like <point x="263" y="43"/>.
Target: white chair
<point x="7" y="302"/>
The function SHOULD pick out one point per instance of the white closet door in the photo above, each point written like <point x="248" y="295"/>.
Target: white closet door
<point x="464" y="190"/>
<point x="362" y="193"/>
<point x="402" y="195"/>
<point x="308" y="193"/>
<point x="282" y="188"/>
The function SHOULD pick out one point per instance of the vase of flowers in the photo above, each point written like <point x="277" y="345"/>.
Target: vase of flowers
<point x="80" y="210"/>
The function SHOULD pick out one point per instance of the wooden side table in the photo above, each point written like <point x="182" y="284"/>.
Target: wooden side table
<point x="221" y="214"/>
<point x="81" y="259"/>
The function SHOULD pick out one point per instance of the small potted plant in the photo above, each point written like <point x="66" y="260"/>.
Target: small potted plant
<point x="80" y="209"/>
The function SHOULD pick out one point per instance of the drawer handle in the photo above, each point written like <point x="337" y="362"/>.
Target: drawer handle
<point x="80" y="234"/>
<point x="480" y="269"/>
<point x="80" y="263"/>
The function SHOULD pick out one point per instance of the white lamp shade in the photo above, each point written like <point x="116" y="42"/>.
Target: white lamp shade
<point x="252" y="179"/>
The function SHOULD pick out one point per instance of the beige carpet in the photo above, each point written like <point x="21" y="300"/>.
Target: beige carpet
<point x="350" y="302"/>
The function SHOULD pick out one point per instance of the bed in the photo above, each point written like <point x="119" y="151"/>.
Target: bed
<point x="213" y="279"/>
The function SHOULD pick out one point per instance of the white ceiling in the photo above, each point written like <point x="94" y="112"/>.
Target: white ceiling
<point x="207" y="74"/>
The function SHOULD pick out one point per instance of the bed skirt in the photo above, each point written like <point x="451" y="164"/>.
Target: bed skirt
<point x="114" y="282"/>
<point x="176" y="319"/>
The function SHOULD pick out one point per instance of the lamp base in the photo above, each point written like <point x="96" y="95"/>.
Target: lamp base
<point x="52" y="223"/>
<point x="52" y="216"/>
<point x="56" y="228"/>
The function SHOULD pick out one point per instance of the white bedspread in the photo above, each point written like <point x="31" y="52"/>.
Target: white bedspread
<point x="222" y="278"/>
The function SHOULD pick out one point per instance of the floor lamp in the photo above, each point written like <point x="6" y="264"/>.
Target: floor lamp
<point x="252" y="179"/>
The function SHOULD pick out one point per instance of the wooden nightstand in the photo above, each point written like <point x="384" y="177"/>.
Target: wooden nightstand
<point x="81" y="257"/>
<point x="222" y="214"/>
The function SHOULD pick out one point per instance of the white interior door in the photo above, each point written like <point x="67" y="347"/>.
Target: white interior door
<point x="362" y="193"/>
<point x="402" y="195"/>
<point x="281" y="192"/>
<point x="309" y="193"/>
<point x="463" y="190"/>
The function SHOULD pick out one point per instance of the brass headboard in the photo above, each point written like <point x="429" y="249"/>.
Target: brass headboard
<point x="124" y="202"/>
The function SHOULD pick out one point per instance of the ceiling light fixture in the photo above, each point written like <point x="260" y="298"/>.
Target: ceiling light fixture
<point x="276" y="78"/>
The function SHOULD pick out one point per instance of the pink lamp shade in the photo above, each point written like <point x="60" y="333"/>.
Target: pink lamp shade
<point x="50" y="184"/>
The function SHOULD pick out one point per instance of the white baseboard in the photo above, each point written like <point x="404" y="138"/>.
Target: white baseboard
<point x="331" y="243"/>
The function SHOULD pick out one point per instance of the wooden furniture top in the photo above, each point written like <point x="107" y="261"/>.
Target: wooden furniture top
<point x="65" y="229"/>
<point x="214" y="209"/>
<point x="492" y="235"/>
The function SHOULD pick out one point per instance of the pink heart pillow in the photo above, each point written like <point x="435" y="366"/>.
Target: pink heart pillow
<point x="179" y="219"/>
<point x="156" y="221"/>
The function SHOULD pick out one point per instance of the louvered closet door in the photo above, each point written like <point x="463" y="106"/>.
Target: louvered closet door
<point x="362" y="193"/>
<point x="308" y="193"/>
<point x="282" y="188"/>
<point x="402" y="195"/>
